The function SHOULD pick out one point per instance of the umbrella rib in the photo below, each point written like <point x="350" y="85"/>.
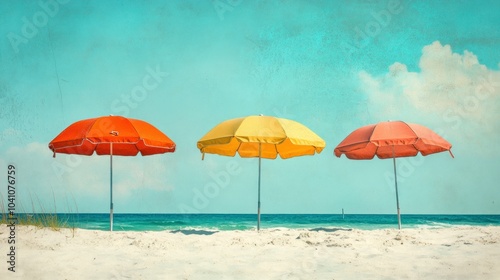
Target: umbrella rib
<point x="239" y="145"/>
<point x="276" y="147"/>
<point x="109" y="142"/>
<point x="371" y="133"/>
<point x="89" y="128"/>
<point x="418" y="137"/>
<point x="65" y="147"/>
<point x="416" y="140"/>
<point x="416" y="149"/>
<point x="137" y="132"/>
<point x="353" y="144"/>
<point x="97" y="143"/>
<point x="154" y="146"/>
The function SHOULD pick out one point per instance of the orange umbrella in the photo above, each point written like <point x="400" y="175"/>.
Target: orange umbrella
<point x="111" y="135"/>
<point x="392" y="139"/>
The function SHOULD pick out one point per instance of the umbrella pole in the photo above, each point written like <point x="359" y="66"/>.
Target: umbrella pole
<point x="258" y="195"/>
<point x="396" y="184"/>
<point x="111" y="187"/>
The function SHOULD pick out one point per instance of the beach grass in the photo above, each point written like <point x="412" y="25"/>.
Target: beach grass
<point x="38" y="216"/>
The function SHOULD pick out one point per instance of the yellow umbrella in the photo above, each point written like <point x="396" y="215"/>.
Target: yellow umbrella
<point x="262" y="137"/>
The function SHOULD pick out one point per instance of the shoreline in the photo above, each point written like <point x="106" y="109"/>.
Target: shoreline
<point x="160" y="222"/>
<point x="465" y="252"/>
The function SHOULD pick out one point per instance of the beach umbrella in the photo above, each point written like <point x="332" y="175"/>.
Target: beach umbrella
<point x="113" y="136"/>
<point x="262" y="137"/>
<point x="392" y="139"/>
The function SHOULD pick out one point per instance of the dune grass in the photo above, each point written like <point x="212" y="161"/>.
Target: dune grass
<point x="38" y="216"/>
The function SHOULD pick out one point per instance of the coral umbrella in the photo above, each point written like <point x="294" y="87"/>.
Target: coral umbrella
<point x="262" y="137"/>
<point x="111" y="135"/>
<point x="392" y="139"/>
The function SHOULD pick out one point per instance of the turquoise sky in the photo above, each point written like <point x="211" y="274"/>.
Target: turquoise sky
<point x="185" y="66"/>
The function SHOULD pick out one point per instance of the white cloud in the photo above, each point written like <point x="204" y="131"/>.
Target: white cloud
<point x="452" y="92"/>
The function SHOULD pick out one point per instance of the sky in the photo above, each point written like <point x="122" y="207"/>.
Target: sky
<point x="185" y="66"/>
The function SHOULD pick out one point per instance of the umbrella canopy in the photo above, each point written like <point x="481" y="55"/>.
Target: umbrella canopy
<point x="111" y="135"/>
<point x="129" y="137"/>
<point x="262" y="137"/>
<point x="391" y="139"/>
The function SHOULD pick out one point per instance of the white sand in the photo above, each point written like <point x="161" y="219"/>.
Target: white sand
<point x="451" y="253"/>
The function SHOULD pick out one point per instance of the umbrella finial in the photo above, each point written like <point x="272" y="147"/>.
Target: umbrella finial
<point x="202" y="156"/>
<point x="54" y="155"/>
<point x="452" y="156"/>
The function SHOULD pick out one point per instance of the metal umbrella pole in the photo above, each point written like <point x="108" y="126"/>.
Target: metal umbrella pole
<point x="396" y="184"/>
<point x="258" y="195"/>
<point x="114" y="133"/>
<point x="111" y="187"/>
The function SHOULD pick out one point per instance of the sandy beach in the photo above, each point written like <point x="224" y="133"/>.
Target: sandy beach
<point x="325" y="253"/>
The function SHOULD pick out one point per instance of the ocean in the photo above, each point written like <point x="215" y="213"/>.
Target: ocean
<point x="159" y="222"/>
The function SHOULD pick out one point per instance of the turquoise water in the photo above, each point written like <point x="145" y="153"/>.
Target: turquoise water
<point x="157" y="222"/>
